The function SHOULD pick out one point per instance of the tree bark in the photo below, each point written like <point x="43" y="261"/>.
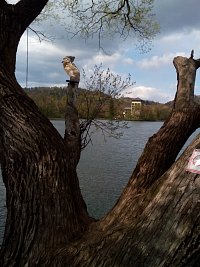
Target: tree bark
<point x="166" y="233"/>
<point x="163" y="147"/>
<point x="72" y="136"/>
<point x="44" y="205"/>
<point x="155" y="221"/>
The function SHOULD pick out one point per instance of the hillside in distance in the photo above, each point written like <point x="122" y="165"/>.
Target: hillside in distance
<point x="52" y="100"/>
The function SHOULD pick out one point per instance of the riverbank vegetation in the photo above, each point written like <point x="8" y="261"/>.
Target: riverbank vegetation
<point x="52" y="101"/>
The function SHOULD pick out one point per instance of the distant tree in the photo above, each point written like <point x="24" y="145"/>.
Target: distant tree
<point x="51" y="101"/>
<point x="102" y="88"/>
<point x="112" y="112"/>
<point x="155" y="112"/>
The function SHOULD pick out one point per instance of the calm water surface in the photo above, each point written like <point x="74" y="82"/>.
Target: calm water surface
<point x="104" y="168"/>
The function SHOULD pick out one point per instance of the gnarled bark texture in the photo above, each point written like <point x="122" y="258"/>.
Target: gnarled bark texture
<point x="155" y="221"/>
<point x="44" y="202"/>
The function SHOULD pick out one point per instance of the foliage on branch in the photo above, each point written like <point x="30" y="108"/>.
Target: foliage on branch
<point x="101" y="19"/>
<point x="122" y="18"/>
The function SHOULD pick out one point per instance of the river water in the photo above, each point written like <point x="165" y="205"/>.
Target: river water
<point x="104" y="168"/>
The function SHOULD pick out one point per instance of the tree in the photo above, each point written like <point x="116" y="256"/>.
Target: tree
<point x="156" y="219"/>
<point x="155" y="112"/>
<point x="103" y="87"/>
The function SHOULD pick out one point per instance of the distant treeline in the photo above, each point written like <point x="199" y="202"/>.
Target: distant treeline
<point x="52" y="101"/>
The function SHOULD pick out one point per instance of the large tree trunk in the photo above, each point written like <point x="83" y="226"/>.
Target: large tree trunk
<point x="154" y="223"/>
<point x="45" y="208"/>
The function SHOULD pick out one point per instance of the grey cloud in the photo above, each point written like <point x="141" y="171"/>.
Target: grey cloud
<point x="44" y="66"/>
<point x="65" y="39"/>
<point x="173" y="15"/>
<point x="177" y="15"/>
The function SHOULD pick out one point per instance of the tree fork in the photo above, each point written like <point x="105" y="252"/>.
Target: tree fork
<point x="156" y="220"/>
<point x="163" y="147"/>
<point x="72" y="125"/>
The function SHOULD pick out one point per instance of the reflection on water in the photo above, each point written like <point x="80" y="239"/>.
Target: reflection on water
<point x="2" y="207"/>
<point x="104" y="167"/>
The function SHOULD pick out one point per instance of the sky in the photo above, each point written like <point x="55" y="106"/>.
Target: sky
<point x="153" y="72"/>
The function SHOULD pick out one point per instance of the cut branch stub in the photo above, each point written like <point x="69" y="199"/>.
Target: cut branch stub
<point x="186" y="74"/>
<point x="72" y="125"/>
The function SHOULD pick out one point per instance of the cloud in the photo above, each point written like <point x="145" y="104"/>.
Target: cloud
<point x="12" y="1"/>
<point x="148" y="93"/>
<point x="180" y="31"/>
<point x="113" y="61"/>
<point x="158" y="61"/>
<point x="128" y="61"/>
<point x="45" y="58"/>
<point x="44" y="63"/>
<point x="107" y="59"/>
<point x="176" y="16"/>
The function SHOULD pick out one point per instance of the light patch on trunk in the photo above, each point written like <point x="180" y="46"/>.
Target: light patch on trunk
<point x="194" y="162"/>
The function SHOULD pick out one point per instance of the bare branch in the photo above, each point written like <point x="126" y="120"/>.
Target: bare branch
<point x="41" y="35"/>
<point x="102" y="87"/>
<point x="114" y="17"/>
